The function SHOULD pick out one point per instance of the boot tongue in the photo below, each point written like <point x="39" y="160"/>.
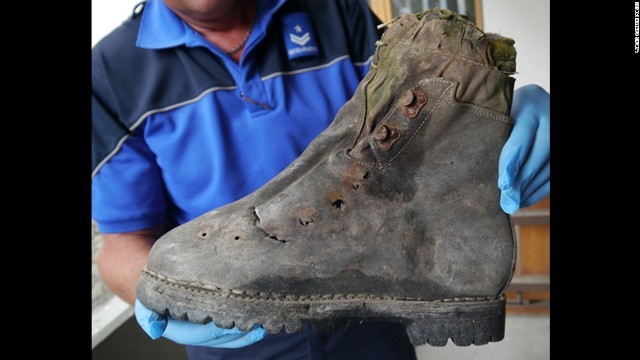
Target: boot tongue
<point x="437" y="43"/>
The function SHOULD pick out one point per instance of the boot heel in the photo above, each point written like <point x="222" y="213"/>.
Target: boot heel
<point x="464" y="323"/>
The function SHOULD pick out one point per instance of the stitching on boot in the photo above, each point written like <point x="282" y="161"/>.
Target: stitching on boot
<point x="423" y="120"/>
<point x="359" y="162"/>
<point x="200" y="288"/>
<point x="475" y="109"/>
<point x="472" y="108"/>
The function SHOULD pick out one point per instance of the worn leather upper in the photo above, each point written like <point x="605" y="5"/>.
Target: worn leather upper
<point x="397" y="198"/>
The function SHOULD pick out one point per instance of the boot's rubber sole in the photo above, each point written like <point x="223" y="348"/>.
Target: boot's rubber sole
<point x="466" y="321"/>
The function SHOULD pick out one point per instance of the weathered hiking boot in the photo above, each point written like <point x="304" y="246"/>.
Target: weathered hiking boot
<point x="391" y="214"/>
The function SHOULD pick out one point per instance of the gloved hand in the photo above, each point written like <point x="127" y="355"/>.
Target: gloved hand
<point x="524" y="160"/>
<point x="188" y="333"/>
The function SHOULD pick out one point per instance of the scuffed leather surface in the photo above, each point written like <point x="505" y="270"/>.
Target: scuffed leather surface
<point x="415" y="217"/>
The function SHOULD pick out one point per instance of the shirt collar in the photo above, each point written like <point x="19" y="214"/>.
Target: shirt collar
<point x="161" y="28"/>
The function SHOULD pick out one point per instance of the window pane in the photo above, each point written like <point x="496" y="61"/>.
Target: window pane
<point x="466" y="7"/>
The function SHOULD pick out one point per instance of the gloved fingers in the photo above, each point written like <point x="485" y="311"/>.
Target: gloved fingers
<point x="150" y="321"/>
<point x="537" y="195"/>
<point x="220" y="342"/>
<point x="535" y="182"/>
<point x="238" y="340"/>
<point x="530" y="94"/>
<point x="513" y="154"/>
<point x="188" y="333"/>
<point x="538" y="157"/>
<point x="534" y="173"/>
<point x="531" y="118"/>
<point x="516" y="148"/>
<point x="509" y="201"/>
<point x="526" y="190"/>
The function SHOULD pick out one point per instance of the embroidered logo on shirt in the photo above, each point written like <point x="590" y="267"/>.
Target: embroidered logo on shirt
<point x="298" y="34"/>
<point x="300" y="40"/>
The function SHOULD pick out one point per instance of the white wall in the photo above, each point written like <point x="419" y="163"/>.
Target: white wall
<point x="527" y="22"/>
<point x="107" y="15"/>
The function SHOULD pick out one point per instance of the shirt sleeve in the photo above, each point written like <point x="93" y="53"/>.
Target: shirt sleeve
<point x="362" y="25"/>
<point x="127" y="191"/>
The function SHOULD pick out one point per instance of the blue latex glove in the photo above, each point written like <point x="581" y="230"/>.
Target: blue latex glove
<point x="524" y="160"/>
<point x="188" y="333"/>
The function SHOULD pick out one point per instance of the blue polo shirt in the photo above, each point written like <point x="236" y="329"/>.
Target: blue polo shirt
<point x="179" y="129"/>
